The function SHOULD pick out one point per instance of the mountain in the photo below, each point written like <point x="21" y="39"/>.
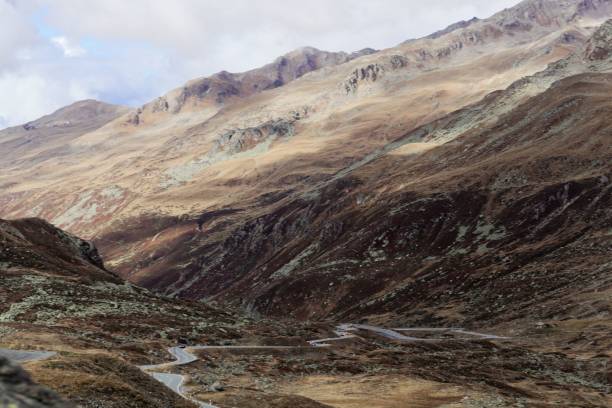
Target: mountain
<point x="46" y="138"/>
<point x="457" y="180"/>
<point x="223" y="143"/>
<point x="225" y="86"/>
<point x="448" y="216"/>
<point x="166" y="189"/>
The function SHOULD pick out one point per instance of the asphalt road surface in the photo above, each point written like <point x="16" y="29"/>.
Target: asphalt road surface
<point x="22" y="356"/>
<point x="175" y="381"/>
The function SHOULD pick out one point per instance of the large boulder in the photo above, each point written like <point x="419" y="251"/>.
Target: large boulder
<point x="17" y="390"/>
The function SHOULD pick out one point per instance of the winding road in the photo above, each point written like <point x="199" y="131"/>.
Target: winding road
<point x="183" y="356"/>
<point x="175" y="381"/>
<point x="346" y="331"/>
<point x="343" y="331"/>
<point x="22" y="356"/>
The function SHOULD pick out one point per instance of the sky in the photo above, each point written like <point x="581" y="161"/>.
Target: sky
<point x="55" y="52"/>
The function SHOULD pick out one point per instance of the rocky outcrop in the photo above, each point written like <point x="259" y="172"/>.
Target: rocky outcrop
<point x="240" y="140"/>
<point x="82" y="248"/>
<point x="236" y="142"/>
<point x="599" y="46"/>
<point x="370" y="72"/>
<point x="34" y="243"/>
<point x="19" y="391"/>
<point x="373" y="72"/>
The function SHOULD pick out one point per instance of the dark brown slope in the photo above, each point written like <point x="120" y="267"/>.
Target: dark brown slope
<point x="507" y="221"/>
<point x="35" y="244"/>
<point x="400" y="233"/>
<point x="491" y="224"/>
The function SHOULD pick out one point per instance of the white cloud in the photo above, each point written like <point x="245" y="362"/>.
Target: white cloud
<point x="25" y="96"/>
<point x="69" y="48"/>
<point x="241" y="34"/>
<point x="132" y="51"/>
<point x="15" y="35"/>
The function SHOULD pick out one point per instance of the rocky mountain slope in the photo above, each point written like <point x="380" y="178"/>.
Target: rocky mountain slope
<point x="461" y="179"/>
<point x="56" y="296"/>
<point x="233" y="140"/>
<point x="239" y="186"/>
<point x="225" y="86"/>
<point x="526" y="179"/>
<point x="292" y="240"/>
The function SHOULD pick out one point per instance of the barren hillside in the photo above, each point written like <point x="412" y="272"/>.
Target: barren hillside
<point x="450" y="186"/>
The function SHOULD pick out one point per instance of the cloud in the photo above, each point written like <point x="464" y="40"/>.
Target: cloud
<point x="52" y="52"/>
<point x="26" y="96"/>
<point x="240" y="34"/>
<point x="69" y="48"/>
<point x="15" y="35"/>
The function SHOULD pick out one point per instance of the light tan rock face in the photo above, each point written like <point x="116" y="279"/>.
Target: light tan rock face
<point x="167" y="188"/>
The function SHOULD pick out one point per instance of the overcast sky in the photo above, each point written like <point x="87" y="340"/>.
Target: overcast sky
<point x="54" y="52"/>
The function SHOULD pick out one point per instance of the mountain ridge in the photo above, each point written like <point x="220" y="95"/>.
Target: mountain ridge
<point x="424" y="194"/>
<point x="525" y="89"/>
<point x="345" y="112"/>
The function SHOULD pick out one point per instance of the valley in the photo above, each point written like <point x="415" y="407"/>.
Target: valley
<point x="428" y="225"/>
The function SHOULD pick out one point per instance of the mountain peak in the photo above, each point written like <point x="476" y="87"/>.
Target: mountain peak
<point x="224" y="85"/>
<point x="453" y="27"/>
<point x="76" y="112"/>
<point x="549" y="12"/>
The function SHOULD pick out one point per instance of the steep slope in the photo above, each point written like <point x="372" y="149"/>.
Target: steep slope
<point x="33" y="243"/>
<point x="220" y="143"/>
<point x="238" y="197"/>
<point x="478" y="225"/>
<point x="267" y="243"/>
<point x="401" y="188"/>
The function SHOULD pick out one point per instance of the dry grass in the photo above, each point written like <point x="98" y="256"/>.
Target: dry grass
<point x="376" y="391"/>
